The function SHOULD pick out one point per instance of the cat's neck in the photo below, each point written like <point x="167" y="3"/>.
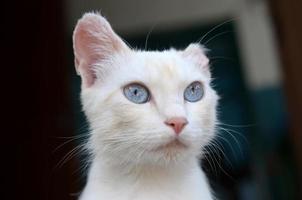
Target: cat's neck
<point x="150" y="174"/>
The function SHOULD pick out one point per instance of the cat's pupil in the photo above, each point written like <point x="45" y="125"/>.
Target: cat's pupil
<point x="135" y="92"/>
<point x="193" y="89"/>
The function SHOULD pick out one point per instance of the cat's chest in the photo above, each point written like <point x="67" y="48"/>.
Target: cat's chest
<point x="148" y="194"/>
<point x="176" y="190"/>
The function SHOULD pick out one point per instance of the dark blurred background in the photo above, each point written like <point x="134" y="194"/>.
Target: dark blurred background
<point x="256" y="60"/>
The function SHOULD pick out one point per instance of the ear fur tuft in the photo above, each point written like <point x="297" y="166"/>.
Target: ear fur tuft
<point x="197" y="53"/>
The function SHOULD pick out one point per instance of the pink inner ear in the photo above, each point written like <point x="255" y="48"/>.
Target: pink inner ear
<point x="86" y="72"/>
<point x="196" y="53"/>
<point x="94" y="42"/>
<point x="85" y="53"/>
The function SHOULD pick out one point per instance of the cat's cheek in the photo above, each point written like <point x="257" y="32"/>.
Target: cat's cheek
<point x="203" y="118"/>
<point x="132" y="118"/>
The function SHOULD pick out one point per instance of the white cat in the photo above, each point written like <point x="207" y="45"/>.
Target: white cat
<point x="150" y="114"/>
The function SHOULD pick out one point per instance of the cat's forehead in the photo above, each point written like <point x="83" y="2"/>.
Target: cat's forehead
<point x="159" y="67"/>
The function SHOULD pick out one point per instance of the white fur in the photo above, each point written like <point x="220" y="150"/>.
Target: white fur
<point x="127" y="161"/>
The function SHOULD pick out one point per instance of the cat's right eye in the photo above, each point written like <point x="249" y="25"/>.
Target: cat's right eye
<point x="136" y="93"/>
<point x="194" y="92"/>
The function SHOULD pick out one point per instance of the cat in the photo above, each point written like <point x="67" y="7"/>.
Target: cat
<point x="151" y="113"/>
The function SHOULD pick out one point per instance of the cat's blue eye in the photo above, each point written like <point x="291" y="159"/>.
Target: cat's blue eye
<point x="194" y="92"/>
<point x="136" y="93"/>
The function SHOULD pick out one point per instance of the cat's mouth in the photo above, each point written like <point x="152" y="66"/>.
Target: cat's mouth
<point x="175" y="144"/>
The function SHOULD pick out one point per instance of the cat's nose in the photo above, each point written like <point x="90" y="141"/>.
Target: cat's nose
<point x="177" y="123"/>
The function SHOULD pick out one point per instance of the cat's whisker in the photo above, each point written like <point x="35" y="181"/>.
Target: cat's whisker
<point x="217" y="35"/>
<point x="217" y="156"/>
<point x="76" y="150"/>
<point x="84" y="165"/>
<point x="80" y="136"/>
<point x="220" y="166"/>
<point x="236" y="132"/>
<point x="148" y="35"/>
<point x="208" y="155"/>
<point x="70" y="139"/>
<point x="227" y="142"/>
<point x="214" y="28"/>
<point x="223" y="58"/>
<point x="84" y="162"/>
<point x="73" y="137"/>
<point x="236" y="141"/>
<point x="237" y="125"/>
<point x="218" y="145"/>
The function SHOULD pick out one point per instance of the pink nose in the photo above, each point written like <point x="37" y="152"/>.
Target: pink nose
<point x="177" y="123"/>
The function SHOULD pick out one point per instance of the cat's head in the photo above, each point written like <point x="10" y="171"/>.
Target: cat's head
<point x="144" y="107"/>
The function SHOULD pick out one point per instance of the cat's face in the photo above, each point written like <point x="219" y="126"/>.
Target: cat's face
<point x="143" y="107"/>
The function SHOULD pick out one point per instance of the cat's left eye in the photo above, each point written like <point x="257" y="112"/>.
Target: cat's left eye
<point x="194" y="92"/>
<point x="137" y="93"/>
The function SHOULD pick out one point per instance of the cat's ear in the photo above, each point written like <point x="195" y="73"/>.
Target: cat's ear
<point x="197" y="54"/>
<point x="94" y="43"/>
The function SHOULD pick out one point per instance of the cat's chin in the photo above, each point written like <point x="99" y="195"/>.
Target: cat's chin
<point x="173" y="145"/>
